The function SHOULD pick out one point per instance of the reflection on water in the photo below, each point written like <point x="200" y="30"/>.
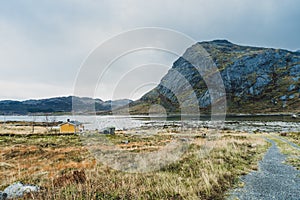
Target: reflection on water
<point x="263" y="123"/>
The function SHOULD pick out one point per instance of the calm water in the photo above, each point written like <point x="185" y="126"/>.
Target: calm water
<point x="243" y="123"/>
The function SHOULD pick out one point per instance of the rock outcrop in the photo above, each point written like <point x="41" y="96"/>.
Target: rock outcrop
<point x="257" y="80"/>
<point x="17" y="190"/>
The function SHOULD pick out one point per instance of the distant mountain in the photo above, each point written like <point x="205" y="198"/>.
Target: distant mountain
<point x="58" y="104"/>
<point x="257" y="80"/>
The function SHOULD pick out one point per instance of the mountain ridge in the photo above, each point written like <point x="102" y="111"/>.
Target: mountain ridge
<point x="256" y="79"/>
<point x="62" y="104"/>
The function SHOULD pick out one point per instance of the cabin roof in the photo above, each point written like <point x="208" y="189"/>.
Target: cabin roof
<point x="74" y="123"/>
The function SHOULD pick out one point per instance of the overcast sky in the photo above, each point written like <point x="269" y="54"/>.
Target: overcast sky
<point x="44" y="43"/>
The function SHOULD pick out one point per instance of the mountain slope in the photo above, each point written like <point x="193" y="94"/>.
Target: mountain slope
<point x="58" y="104"/>
<point x="256" y="80"/>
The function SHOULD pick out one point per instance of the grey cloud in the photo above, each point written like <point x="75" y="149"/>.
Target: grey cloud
<point x="45" y="42"/>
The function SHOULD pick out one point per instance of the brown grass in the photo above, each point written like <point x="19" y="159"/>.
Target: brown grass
<point x="40" y="159"/>
<point x="65" y="169"/>
<point x="293" y="137"/>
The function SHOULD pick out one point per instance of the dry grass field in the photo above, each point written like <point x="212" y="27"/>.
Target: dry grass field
<point x="65" y="169"/>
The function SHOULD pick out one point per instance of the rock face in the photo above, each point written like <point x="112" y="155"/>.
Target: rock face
<point x="257" y="80"/>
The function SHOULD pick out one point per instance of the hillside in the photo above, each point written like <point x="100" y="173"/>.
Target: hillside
<point x="257" y="80"/>
<point x="58" y="104"/>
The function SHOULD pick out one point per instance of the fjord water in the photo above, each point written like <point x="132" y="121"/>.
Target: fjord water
<point x="247" y="123"/>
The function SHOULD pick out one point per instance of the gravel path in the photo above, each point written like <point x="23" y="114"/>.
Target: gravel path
<point x="273" y="180"/>
<point x="290" y="143"/>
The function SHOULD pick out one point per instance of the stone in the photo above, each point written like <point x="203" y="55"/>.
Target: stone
<point x="253" y="145"/>
<point x="125" y="141"/>
<point x="284" y="104"/>
<point x="295" y="70"/>
<point x="109" y="130"/>
<point x="291" y="87"/>
<point x="291" y="96"/>
<point x="283" y="98"/>
<point x="296" y="79"/>
<point x="274" y="101"/>
<point x="3" y="196"/>
<point x="18" y="190"/>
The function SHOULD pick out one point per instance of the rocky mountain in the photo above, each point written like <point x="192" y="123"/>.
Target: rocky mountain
<point x="58" y="104"/>
<point x="256" y="80"/>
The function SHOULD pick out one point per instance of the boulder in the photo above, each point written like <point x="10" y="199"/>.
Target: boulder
<point x="3" y="196"/>
<point x="18" y="190"/>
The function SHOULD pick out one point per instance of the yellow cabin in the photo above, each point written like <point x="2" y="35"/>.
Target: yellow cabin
<point x="70" y="127"/>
